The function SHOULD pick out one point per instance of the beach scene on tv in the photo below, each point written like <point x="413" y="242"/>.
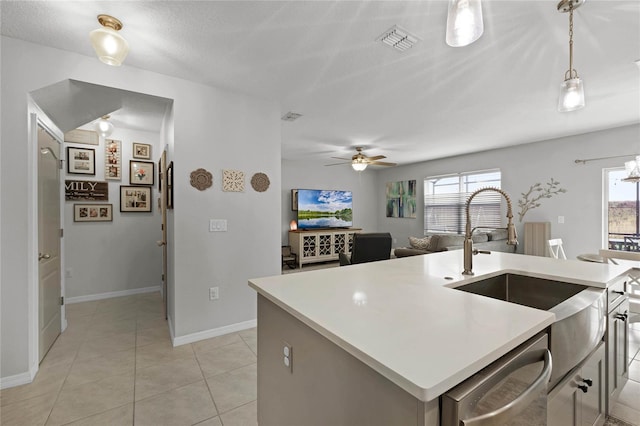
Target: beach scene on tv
<point x="324" y="209"/>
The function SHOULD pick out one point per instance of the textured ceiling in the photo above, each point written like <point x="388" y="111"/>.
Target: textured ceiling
<point x="320" y="59"/>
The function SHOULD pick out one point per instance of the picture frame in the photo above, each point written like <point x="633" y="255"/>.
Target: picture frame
<point x="135" y="199"/>
<point x="169" y="177"/>
<point x="160" y="175"/>
<point x="81" y="161"/>
<point x="141" y="151"/>
<point x="93" y="212"/>
<point x="294" y="200"/>
<point x="113" y="159"/>
<point x="87" y="137"/>
<point x="141" y="172"/>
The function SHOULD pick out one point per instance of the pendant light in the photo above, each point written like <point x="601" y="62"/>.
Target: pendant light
<point x="571" y="90"/>
<point x="109" y="45"/>
<point x="633" y="170"/>
<point x="464" y="22"/>
<point x="104" y="127"/>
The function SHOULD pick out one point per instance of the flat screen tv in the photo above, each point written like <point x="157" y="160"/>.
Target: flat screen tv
<point x="324" y="209"/>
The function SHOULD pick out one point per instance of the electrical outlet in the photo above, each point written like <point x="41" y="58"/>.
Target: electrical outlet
<point x="287" y="352"/>
<point x="214" y="293"/>
<point x="68" y="273"/>
<point x="560" y="219"/>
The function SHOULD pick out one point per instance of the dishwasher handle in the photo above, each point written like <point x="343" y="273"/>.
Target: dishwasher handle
<point x="507" y="412"/>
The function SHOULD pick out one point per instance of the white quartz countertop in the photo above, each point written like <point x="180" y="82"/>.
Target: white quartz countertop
<point x="400" y="318"/>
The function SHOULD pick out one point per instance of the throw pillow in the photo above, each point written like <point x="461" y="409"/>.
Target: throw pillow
<point x="420" y="243"/>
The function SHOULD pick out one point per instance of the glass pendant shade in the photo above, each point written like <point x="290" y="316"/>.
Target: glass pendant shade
<point x="358" y="166"/>
<point x="571" y="95"/>
<point x="464" y="22"/>
<point x="633" y="170"/>
<point x="109" y="45"/>
<point x="104" y="127"/>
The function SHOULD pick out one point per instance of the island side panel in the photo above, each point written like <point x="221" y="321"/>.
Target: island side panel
<point x="325" y="385"/>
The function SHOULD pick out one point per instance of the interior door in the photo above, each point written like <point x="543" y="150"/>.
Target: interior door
<point x="49" y="302"/>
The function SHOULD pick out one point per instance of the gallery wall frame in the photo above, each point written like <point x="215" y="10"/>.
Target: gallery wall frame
<point x="81" y="161"/>
<point x="87" y="137"/>
<point x="160" y="173"/>
<point x="141" y="151"/>
<point x="294" y="200"/>
<point x="135" y="199"/>
<point x="169" y="177"/>
<point x="86" y="190"/>
<point x="113" y="159"/>
<point x="93" y="212"/>
<point x="141" y="172"/>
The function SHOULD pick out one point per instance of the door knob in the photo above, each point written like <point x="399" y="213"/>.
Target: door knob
<point x="44" y="256"/>
<point x="161" y="243"/>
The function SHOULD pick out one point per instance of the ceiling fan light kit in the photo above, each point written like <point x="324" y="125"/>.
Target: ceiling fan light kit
<point x="109" y="45"/>
<point x="464" y="22"/>
<point x="571" y="90"/>
<point x="359" y="161"/>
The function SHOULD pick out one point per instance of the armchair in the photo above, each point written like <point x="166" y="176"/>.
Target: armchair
<point x="368" y="247"/>
<point x="288" y="258"/>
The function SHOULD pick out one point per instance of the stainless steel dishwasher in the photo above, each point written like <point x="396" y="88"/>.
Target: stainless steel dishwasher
<point x="510" y="391"/>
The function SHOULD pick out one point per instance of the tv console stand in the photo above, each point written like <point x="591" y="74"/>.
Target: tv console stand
<point x="321" y="245"/>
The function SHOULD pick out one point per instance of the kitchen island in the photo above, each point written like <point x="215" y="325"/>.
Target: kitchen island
<point x="378" y="343"/>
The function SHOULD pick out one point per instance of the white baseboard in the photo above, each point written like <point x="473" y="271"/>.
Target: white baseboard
<point x="100" y="296"/>
<point x="17" y="380"/>
<point x="214" y="332"/>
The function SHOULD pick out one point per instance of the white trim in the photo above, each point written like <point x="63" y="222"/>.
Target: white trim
<point x="17" y="379"/>
<point x="109" y="295"/>
<point x="171" y="333"/>
<point x="214" y="332"/>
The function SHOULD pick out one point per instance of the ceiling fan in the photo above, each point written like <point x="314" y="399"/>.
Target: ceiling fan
<point x="359" y="161"/>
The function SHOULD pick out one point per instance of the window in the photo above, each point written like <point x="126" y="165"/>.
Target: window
<point x="622" y="205"/>
<point x="445" y="198"/>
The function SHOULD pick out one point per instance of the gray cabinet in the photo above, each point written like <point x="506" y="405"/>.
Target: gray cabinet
<point x="579" y="400"/>
<point x="617" y="350"/>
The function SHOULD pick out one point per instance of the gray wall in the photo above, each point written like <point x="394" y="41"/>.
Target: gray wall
<point x="522" y="166"/>
<point x="212" y="128"/>
<point x="305" y="175"/>
<point x="104" y="257"/>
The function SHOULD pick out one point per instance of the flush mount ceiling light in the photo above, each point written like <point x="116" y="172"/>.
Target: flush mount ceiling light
<point x="110" y="46"/>
<point x="398" y="38"/>
<point x="571" y="90"/>
<point x="104" y="127"/>
<point x="464" y="22"/>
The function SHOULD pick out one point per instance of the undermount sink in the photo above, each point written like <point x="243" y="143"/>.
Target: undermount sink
<point x="579" y="310"/>
<point x="528" y="291"/>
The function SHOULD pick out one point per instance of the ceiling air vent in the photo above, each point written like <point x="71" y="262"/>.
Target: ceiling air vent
<point x="398" y="38"/>
<point x="291" y="116"/>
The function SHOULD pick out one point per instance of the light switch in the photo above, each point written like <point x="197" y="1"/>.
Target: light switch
<point x="560" y="219"/>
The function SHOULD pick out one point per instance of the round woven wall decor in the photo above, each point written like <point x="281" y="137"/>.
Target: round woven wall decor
<point x="260" y="182"/>
<point x="201" y="179"/>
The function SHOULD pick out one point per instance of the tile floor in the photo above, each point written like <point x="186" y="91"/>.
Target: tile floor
<point x="114" y="365"/>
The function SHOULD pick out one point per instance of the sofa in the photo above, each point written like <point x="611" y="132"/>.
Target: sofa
<point x="494" y="240"/>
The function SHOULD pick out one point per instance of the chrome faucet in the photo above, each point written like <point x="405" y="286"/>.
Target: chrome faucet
<point x="512" y="238"/>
